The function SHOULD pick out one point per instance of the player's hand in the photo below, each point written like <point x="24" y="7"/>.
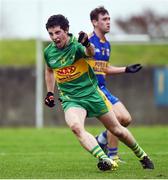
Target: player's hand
<point x="133" y="68"/>
<point x="49" y="100"/>
<point x="83" y="39"/>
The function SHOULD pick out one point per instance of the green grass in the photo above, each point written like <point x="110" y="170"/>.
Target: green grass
<point x="23" y="53"/>
<point x="144" y="54"/>
<point x="55" y="153"/>
<point x="17" y="52"/>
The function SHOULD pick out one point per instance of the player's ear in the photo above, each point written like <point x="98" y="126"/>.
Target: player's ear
<point x="67" y="30"/>
<point x="94" y="22"/>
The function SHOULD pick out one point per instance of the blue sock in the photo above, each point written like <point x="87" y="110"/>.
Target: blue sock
<point x="102" y="139"/>
<point x="112" y="152"/>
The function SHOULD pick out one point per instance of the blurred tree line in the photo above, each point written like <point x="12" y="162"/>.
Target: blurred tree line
<point x="156" y="26"/>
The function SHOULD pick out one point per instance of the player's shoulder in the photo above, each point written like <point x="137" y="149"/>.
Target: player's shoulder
<point x="108" y="42"/>
<point x="73" y="39"/>
<point x="91" y="35"/>
<point x="48" y="48"/>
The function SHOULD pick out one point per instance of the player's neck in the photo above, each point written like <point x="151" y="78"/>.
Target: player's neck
<point x="99" y="34"/>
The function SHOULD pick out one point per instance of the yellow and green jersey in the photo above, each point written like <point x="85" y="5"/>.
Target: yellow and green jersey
<point x="74" y="76"/>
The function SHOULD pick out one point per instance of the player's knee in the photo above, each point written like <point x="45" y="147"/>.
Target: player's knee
<point x="118" y="132"/>
<point x="76" y="129"/>
<point x="125" y="120"/>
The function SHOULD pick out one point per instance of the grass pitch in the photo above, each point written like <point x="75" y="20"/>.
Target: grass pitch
<point x="55" y="153"/>
<point x="23" y="53"/>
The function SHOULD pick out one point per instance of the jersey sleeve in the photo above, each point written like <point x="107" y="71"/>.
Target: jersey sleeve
<point x="45" y="58"/>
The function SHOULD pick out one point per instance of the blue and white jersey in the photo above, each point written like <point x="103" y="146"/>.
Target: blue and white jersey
<point x="101" y="57"/>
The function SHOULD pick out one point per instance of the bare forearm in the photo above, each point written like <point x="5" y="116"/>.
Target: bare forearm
<point x="49" y="79"/>
<point x="114" y="70"/>
<point x="133" y="68"/>
<point x="90" y="50"/>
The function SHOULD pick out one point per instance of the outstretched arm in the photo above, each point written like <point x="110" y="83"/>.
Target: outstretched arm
<point x="114" y="70"/>
<point x="117" y="70"/>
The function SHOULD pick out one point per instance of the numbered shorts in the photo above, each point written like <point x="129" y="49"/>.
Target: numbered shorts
<point x="96" y="104"/>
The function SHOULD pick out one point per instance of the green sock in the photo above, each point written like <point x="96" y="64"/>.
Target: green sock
<point x="98" y="152"/>
<point x="139" y="152"/>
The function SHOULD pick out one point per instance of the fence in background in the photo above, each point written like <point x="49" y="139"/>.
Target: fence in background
<point x="17" y="98"/>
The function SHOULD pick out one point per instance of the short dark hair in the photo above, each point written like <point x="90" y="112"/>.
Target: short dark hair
<point x="58" y="20"/>
<point x="95" y="12"/>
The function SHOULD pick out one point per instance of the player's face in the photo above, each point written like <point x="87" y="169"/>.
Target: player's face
<point x="58" y="36"/>
<point x="103" y="23"/>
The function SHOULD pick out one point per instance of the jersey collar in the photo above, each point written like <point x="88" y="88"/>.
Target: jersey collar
<point x="101" y="40"/>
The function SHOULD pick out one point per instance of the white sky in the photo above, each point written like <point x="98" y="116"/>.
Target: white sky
<point x="27" y="18"/>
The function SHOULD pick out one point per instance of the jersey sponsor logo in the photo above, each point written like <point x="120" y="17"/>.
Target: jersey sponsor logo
<point x="67" y="78"/>
<point x="67" y="70"/>
<point x="98" y="66"/>
<point x="71" y="72"/>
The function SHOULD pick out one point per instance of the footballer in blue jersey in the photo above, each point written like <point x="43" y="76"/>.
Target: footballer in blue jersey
<point x="100" y="63"/>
